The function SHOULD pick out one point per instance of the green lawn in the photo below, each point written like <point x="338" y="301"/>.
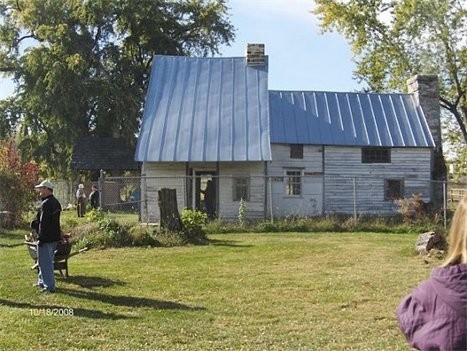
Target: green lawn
<point x="307" y="291"/>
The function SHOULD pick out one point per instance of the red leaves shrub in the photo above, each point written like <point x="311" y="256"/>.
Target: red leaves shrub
<point x="17" y="181"/>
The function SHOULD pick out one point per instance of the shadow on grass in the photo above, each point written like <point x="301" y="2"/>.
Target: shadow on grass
<point x="41" y="310"/>
<point x="228" y="243"/>
<point x="129" y="301"/>
<point x="11" y="245"/>
<point x="92" y="282"/>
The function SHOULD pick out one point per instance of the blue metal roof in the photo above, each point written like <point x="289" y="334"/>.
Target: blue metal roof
<point x="205" y="109"/>
<point x="356" y="119"/>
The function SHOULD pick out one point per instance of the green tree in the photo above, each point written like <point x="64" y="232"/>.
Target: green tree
<point x="394" y="40"/>
<point x="82" y="67"/>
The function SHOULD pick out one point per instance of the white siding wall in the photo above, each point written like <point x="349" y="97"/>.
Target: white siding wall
<point x="410" y="164"/>
<point x="173" y="175"/>
<point x="158" y="176"/>
<point x="228" y="208"/>
<point x="310" y="202"/>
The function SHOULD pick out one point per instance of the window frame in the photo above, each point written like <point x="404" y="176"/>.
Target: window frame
<point x="235" y="188"/>
<point x="296" y="151"/>
<point x="290" y="182"/>
<point x="390" y="193"/>
<point x="376" y="155"/>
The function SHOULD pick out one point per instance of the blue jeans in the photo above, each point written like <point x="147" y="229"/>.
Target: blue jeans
<point x="45" y="261"/>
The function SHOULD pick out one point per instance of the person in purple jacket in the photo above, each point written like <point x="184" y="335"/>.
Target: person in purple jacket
<point x="434" y="315"/>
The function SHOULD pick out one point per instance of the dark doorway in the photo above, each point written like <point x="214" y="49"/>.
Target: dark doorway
<point x="206" y="193"/>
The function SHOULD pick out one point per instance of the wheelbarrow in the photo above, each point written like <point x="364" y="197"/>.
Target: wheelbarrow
<point x="62" y="254"/>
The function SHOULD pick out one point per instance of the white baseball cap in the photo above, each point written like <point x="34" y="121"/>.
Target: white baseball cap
<point x="45" y="184"/>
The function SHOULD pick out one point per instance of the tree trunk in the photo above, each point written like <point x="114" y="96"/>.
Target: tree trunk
<point x="170" y="218"/>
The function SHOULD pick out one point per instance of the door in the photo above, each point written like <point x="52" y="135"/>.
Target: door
<point x="206" y="192"/>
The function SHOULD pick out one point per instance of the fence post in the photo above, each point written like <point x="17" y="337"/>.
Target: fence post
<point x="271" y="205"/>
<point x="354" y="198"/>
<point x="144" y="195"/>
<point x="101" y="183"/>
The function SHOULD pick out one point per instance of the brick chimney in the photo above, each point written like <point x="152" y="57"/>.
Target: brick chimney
<point x="255" y="54"/>
<point x="425" y="89"/>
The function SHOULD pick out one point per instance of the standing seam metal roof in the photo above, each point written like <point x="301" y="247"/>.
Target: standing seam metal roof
<point x="220" y="109"/>
<point x="205" y="109"/>
<point x="354" y="119"/>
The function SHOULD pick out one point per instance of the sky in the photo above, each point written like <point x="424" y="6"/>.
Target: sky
<point x="300" y="57"/>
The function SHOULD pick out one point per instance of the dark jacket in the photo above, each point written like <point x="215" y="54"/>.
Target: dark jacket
<point x="94" y="199"/>
<point x="434" y="316"/>
<point x="48" y="220"/>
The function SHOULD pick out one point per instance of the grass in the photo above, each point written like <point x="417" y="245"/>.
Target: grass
<point x="294" y="291"/>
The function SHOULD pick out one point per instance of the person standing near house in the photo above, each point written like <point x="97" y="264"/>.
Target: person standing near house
<point x="434" y="315"/>
<point x="81" y="201"/>
<point x="47" y="226"/>
<point x="94" y="197"/>
<point x="210" y="199"/>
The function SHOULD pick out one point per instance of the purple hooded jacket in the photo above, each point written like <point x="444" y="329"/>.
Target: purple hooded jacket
<point x="434" y="316"/>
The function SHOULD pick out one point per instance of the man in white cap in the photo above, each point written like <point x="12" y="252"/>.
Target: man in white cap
<point x="47" y="225"/>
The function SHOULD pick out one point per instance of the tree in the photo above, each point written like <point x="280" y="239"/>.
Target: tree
<point x="18" y="179"/>
<point x="81" y="67"/>
<point x="394" y="40"/>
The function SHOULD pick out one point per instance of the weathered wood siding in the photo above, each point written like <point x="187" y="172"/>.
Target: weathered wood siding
<point x="158" y="176"/>
<point x="228" y="208"/>
<point x="343" y="169"/>
<point x="173" y="175"/>
<point x="310" y="202"/>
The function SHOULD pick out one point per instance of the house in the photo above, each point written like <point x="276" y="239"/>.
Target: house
<point x="303" y="153"/>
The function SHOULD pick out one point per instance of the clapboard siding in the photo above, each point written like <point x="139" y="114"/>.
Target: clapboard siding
<point x="158" y="176"/>
<point x="344" y="171"/>
<point x="309" y="203"/>
<point x="228" y="208"/>
<point x="173" y="175"/>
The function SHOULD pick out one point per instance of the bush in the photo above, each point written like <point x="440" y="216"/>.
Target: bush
<point x="413" y="209"/>
<point x="193" y="225"/>
<point x="17" y="181"/>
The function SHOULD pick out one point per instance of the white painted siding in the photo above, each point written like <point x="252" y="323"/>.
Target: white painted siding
<point x="342" y="164"/>
<point x="173" y="175"/>
<point x="310" y="202"/>
<point x="228" y="208"/>
<point x="158" y="176"/>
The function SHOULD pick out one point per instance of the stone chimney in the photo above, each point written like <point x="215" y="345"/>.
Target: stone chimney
<point x="255" y="54"/>
<point x="425" y="89"/>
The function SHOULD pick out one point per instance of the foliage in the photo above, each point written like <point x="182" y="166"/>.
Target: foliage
<point x="394" y="40"/>
<point x="17" y="179"/>
<point x="82" y="67"/>
<point x="193" y="223"/>
<point x="94" y="215"/>
<point x="334" y="223"/>
<point x="413" y="209"/>
<point x="242" y="212"/>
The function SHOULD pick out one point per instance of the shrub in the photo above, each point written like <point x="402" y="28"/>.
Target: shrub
<point x="169" y="239"/>
<point x="413" y="209"/>
<point x="17" y="181"/>
<point x="193" y="224"/>
<point x="242" y="212"/>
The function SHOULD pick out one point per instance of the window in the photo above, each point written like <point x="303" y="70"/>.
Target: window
<point x="296" y="151"/>
<point x="393" y="189"/>
<point x="376" y="155"/>
<point x="293" y="184"/>
<point x="241" y="189"/>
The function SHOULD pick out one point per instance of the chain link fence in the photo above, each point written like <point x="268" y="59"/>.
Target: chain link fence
<point x="274" y="197"/>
